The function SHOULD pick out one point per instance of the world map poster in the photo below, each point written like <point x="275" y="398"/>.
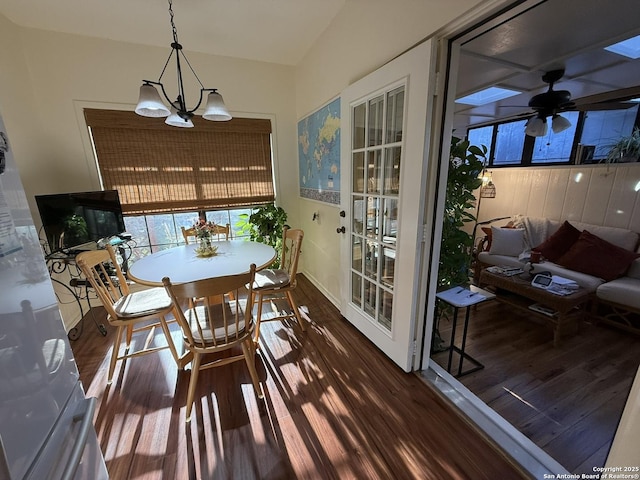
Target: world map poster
<point x="319" y="154"/>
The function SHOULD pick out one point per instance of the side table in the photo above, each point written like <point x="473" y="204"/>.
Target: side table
<point x="460" y="297"/>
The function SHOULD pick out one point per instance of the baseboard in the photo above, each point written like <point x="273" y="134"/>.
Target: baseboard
<point x="335" y="301"/>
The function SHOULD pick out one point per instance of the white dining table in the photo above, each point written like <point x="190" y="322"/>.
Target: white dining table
<point x="181" y="264"/>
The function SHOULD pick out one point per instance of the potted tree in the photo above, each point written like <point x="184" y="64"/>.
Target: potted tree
<point x="466" y="162"/>
<point x="626" y="149"/>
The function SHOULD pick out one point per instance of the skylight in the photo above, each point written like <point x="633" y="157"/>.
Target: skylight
<point x="629" y="47"/>
<point x="488" y="95"/>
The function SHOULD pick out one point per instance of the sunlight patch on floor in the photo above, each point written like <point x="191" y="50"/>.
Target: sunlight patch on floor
<point x="519" y="398"/>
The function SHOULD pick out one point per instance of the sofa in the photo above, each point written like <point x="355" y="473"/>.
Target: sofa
<point x="603" y="260"/>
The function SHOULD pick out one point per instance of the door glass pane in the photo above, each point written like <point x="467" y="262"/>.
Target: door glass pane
<point x="356" y="289"/>
<point x="390" y="221"/>
<point x="372" y="217"/>
<point x="356" y="254"/>
<point x="395" y="109"/>
<point x="357" y="172"/>
<point x="359" y="115"/>
<point x="388" y="265"/>
<point x="358" y="215"/>
<point x="371" y="260"/>
<point x="376" y="107"/>
<point x="386" y="307"/>
<point x="370" y="298"/>
<point x="374" y="172"/>
<point x="392" y="171"/>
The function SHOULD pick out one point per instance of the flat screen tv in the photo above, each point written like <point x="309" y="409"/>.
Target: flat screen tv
<point x="72" y="219"/>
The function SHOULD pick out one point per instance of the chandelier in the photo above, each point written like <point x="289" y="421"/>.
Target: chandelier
<point x="150" y="103"/>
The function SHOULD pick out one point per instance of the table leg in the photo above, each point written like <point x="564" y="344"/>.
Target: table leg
<point x="464" y="340"/>
<point x="453" y="337"/>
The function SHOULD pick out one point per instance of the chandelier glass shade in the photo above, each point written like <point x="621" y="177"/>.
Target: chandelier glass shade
<point x="151" y="104"/>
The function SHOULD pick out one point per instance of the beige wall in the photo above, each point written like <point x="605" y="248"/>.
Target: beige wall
<point x="364" y="36"/>
<point x="61" y="73"/>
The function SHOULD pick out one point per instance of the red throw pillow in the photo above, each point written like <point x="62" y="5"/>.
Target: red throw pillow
<point x="594" y="256"/>
<point x="559" y="243"/>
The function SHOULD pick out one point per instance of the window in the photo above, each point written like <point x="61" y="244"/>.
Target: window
<point x="603" y="128"/>
<point x="590" y="136"/>
<point x="555" y="147"/>
<point x="167" y="177"/>
<point x="509" y="143"/>
<point x="159" y="169"/>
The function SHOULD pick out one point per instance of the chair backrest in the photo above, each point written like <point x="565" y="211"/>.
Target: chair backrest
<point x="219" y="230"/>
<point x="221" y="315"/>
<point x="101" y="269"/>
<point x="291" y="244"/>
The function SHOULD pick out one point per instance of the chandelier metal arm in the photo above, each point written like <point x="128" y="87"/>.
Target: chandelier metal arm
<point x="150" y="103"/>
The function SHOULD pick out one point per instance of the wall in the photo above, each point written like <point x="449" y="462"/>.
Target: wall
<point x="364" y="36"/>
<point x="596" y="194"/>
<point x="64" y="72"/>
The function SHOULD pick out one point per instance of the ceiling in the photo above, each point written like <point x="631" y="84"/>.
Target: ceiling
<point x="567" y="34"/>
<point x="513" y="53"/>
<point x="275" y="31"/>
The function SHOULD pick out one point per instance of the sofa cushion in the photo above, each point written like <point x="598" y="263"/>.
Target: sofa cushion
<point x="588" y="282"/>
<point x="507" y="241"/>
<point x="559" y="242"/>
<point x="592" y="255"/>
<point x="500" y="260"/>
<point x="623" y="291"/>
<point x="621" y="237"/>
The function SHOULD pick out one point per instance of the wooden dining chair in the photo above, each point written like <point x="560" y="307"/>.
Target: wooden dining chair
<point x="273" y="285"/>
<point x="212" y="327"/>
<point x="131" y="312"/>
<point x="219" y="231"/>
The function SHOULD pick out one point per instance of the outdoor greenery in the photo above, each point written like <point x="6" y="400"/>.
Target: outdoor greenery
<point x="265" y="225"/>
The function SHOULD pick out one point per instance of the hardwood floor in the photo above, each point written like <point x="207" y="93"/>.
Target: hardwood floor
<point x="569" y="399"/>
<point x="335" y="408"/>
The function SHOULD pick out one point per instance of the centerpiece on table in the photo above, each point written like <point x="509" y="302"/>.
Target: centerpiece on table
<point x="204" y="231"/>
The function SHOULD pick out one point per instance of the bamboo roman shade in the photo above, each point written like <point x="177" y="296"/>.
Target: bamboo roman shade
<point x="159" y="169"/>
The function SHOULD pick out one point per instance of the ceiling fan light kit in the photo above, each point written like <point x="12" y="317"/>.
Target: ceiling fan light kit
<point x="150" y="103"/>
<point x="536" y="126"/>
<point x="548" y="104"/>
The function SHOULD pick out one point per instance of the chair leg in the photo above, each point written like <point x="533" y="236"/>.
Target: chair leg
<point x="115" y="353"/>
<point x="129" y="334"/>
<point x="256" y="335"/>
<point x="172" y="346"/>
<point x="250" y="356"/>
<point x="193" y="380"/>
<point x="296" y="312"/>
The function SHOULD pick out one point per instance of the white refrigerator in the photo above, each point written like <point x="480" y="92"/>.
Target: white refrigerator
<point x="46" y="422"/>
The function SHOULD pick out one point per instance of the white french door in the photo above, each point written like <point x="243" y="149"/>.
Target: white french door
<point x="384" y="127"/>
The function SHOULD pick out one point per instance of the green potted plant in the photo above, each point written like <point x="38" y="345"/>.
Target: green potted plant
<point x="265" y="225"/>
<point x="466" y="162"/>
<point x="626" y="149"/>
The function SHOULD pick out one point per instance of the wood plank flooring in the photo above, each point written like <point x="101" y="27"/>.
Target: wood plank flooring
<point x="335" y="408"/>
<point x="569" y="399"/>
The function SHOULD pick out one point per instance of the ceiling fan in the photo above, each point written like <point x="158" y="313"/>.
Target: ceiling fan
<point x="552" y="102"/>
